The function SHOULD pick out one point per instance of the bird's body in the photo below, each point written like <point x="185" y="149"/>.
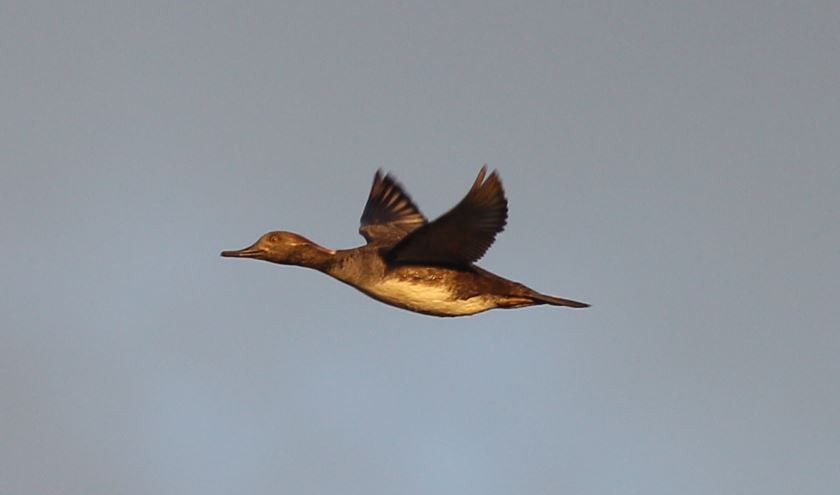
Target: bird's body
<point x="434" y="290"/>
<point x="411" y="263"/>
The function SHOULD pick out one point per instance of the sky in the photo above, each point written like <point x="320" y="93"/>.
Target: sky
<point x="674" y="164"/>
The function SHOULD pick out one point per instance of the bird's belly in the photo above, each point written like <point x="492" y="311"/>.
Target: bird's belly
<point x="431" y="299"/>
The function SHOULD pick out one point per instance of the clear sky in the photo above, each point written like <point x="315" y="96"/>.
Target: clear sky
<point x="673" y="164"/>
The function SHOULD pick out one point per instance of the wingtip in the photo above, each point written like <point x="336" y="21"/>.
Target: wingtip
<point x="482" y="175"/>
<point x="480" y="179"/>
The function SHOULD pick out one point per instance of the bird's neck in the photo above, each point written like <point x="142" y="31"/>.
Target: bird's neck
<point x="310" y="255"/>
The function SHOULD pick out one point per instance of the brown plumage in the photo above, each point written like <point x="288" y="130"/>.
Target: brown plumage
<point x="408" y="262"/>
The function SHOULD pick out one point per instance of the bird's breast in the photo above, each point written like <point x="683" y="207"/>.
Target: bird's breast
<point x="423" y="297"/>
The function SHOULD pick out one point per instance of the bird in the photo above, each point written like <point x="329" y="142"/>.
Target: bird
<point x="412" y="263"/>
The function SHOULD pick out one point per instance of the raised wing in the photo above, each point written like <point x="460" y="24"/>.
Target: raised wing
<point x="389" y="214"/>
<point x="463" y="234"/>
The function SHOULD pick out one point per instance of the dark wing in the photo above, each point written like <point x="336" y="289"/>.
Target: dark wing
<point x="462" y="235"/>
<point x="389" y="213"/>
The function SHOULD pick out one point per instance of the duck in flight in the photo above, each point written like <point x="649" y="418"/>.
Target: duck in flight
<point x="414" y="264"/>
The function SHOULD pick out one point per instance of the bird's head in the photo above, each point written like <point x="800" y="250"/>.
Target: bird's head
<point x="282" y="247"/>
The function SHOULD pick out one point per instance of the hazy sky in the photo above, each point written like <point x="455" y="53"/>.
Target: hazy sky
<point x="673" y="164"/>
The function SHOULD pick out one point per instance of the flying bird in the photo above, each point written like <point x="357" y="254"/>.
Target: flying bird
<point x="411" y="263"/>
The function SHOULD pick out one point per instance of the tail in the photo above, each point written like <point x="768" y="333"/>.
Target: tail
<point x="555" y="301"/>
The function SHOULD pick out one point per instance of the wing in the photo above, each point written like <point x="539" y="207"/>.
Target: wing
<point x="463" y="234"/>
<point x="389" y="214"/>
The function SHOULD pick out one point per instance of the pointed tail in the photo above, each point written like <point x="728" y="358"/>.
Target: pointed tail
<point x="556" y="301"/>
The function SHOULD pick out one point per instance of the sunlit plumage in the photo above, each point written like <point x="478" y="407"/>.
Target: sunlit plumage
<point x="414" y="264"/>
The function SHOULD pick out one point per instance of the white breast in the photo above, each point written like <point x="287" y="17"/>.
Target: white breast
<point x="427" y="298"/>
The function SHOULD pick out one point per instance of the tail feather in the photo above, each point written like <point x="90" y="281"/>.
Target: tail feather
<point x="556" y="301"/>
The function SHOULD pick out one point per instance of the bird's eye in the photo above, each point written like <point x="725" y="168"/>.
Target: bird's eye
<point x="272" y="238"/>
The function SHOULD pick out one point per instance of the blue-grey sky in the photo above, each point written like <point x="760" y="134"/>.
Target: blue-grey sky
<point x="674" y="164"/>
